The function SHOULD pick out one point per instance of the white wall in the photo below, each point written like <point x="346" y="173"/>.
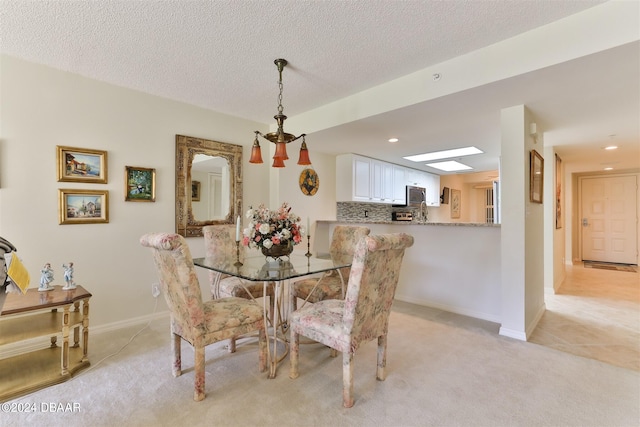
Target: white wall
<point x="431" y="272"/>
<point x="320" y="206"/>
<point x="522" y="237"/>
<point x="40" y="108"/>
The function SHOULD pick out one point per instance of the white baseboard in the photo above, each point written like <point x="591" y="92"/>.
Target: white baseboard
<point x="524" y="336"/>
<point x="532" y="326"/>
<point x="511" y="333"/>
<point x="451" y="309"/>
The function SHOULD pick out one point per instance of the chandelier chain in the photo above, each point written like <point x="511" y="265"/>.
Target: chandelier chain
<point x="280" y="86"/>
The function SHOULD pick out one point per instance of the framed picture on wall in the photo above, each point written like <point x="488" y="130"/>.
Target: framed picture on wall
<point x="558" y="192"/>
<point x="455" y="203"/>
<point x="195" y="191"/>
<point x="536" y="177"/>
<point x="140" y="184"/>
<point x="83" y="206"/>
<point x="81" y="165"/>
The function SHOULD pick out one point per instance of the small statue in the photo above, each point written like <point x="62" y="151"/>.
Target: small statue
<point x="68" y="276"/>
<point x="46" y="277"/>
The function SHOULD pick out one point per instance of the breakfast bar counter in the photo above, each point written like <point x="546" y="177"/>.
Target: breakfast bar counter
<point x="454" y="266"/>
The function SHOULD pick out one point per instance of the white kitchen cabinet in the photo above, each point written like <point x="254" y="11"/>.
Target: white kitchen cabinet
<point x="432" y="185"/>
<point x="399" y="193"/>
<point x="362" y="179"/>
<point x="377" y="181"/>
<point x="360" y="188"/>
<point x="414" y="177"/>
<point x="353" y="178"/>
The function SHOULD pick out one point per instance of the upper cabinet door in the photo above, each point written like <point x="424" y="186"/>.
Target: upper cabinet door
<point x="353" y="178"/>
<point x="399" y="193"/>
<point x="362" y="179"/>
<point x="432" y="189"/>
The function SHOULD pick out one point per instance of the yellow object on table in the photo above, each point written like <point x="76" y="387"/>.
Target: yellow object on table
<point x="18" y="273"/>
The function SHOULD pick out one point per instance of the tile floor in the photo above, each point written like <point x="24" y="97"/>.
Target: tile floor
<point x="595" y="314"/>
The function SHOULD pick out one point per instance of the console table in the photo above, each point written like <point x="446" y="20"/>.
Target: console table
<point x="54" y="314"/>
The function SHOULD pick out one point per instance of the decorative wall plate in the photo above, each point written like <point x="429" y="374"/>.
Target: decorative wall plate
<point x="309" y="182"/>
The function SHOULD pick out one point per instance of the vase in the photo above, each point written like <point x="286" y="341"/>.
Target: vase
<point x="277" y="251"/>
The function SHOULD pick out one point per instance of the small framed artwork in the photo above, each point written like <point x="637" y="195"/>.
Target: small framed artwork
<point x="83" y="206"/>
<point x="309" y="182"/>
<point x="195" y="191"/>
<point x="558" y="192"/>
<point x="81" y="165"/>
<point x="536" y="177"/>
<point x="140" y="184"/>
<point x="455" y="203"/>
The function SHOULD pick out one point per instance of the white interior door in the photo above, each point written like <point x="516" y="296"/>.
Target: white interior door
<point x="609" y="219"/>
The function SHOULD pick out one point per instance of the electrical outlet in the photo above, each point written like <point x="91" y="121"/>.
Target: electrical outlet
<point x="155" y="290"/>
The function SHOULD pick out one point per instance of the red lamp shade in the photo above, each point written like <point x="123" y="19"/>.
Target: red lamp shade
<point x="277" y="162"/>
<point x="256" y="153"/>
<point x="281" y="151"/>
<point x="304" y="155"/>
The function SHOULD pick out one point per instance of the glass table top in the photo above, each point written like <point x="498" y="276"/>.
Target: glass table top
<point x="259" y="268"/>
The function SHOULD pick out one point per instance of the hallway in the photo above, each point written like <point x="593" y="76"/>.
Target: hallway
<point x="595" y="314"/>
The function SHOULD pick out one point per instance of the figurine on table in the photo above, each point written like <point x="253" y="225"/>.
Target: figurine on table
<point x="68" y="276"/>
<point x="46" y="277"/>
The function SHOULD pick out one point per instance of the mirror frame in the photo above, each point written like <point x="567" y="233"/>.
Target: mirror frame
<point x="186" y="148"/>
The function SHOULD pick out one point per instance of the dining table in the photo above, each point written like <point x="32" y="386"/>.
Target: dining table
<point x="255" y="267"/>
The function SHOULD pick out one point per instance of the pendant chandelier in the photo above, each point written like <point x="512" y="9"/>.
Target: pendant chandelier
<point x="279" y="137"/>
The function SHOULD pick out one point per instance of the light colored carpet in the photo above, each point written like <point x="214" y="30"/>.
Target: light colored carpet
<point x="442" y="370"/>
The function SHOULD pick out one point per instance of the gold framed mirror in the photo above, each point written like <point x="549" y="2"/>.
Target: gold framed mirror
<point x="208" y="184"/>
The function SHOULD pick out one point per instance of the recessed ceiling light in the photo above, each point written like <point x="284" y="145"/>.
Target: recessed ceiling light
<point x="446" y="154"/>
<point x="608" y="168"/>
<point x="611" y="147"/>
<point x="393" y="140"/>
<point x="449" y="166"/>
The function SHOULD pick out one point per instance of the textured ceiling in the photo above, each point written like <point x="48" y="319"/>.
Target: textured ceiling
<point x="219" y="54"/>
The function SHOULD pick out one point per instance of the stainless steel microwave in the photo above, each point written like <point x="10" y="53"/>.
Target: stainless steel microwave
<point x="415" y="195"/>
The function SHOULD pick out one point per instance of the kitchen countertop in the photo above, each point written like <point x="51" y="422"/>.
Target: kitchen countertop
<point x="452" y="224"/>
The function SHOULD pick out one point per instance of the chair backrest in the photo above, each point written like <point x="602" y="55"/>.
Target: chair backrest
<point x="372" y="285"/>
<point x="343" y="243"/>
<point x="219" y="240"/>
<point x="178" y="280"/>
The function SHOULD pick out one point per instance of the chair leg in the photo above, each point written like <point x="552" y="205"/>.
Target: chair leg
<point x="232" y="345"/>
<point x="347" y="379"/>
<point x="294" y="351"/>
<point x="176" y="367"/>
<point x="262" y="351"/>
<point x="198" y="393"/>
<point x="382" y="358"/>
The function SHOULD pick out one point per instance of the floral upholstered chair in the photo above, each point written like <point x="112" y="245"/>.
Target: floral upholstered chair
<point x="330" y="285"/>
<point x="218" y="241"/>
<point x="198" y="323"/>
<point x="363" y="315"/>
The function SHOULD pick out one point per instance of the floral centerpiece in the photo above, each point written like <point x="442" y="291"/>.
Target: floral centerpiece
<point x="274" y="232"/>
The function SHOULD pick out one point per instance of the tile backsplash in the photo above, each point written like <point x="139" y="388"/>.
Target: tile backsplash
<point x="354" y="211"/>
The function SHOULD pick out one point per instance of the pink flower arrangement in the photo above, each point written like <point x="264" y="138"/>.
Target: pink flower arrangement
<point x="267" y="228"/>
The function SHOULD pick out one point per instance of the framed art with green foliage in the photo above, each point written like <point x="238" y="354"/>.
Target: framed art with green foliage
<point x="140" y="184"/>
